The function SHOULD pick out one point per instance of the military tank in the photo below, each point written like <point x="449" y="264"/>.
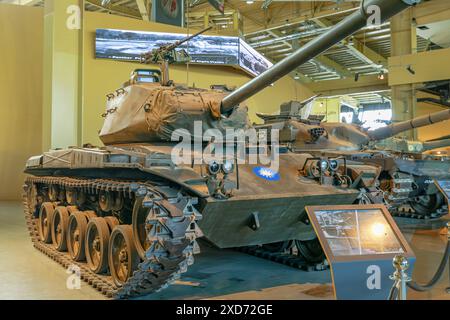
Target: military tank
<point x="406" y="174"/>
<point x="126" y="216"/>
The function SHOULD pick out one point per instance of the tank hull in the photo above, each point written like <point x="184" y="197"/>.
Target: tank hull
<point x="279" y="205"/>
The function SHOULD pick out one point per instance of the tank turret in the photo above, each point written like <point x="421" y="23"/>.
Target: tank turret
<point x="291" y="110"/>
<point x="304" y="135"/>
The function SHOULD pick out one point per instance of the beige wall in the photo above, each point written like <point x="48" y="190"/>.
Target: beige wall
<point x="436" y="130"/>
<point x="428" y="66"/>
<point x="101" y="77"/>
<point x="21" y="38"/>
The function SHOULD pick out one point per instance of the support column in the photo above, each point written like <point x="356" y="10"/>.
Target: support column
<point x="403" y="41"/>
<point x="62" y="73"/>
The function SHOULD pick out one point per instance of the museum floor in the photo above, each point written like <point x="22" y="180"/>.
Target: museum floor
<point x="26" y="273"/>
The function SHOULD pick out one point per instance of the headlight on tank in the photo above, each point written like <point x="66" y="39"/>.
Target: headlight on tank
<point x="214" y="168"/>
<point x="228" y="167"/>
<point x="334" y="165"/>
<point x="324" y="165"/>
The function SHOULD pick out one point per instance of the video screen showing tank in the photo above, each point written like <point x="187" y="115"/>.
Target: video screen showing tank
<point x="251" y="60"/>
<point x="129" y="45"/>
<point x="358" y="232"/>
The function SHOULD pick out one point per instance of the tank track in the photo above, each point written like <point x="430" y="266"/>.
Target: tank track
<point x="288" y="259"/>
<point x="157" y="271"/>
<point x="408" y="212"/>
<point x="402" y="187"/>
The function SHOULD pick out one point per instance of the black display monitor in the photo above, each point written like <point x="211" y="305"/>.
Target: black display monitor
<point x="129" y="45"/>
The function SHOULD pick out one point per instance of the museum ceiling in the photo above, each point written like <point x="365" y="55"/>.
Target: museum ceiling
<point x="279" y="29"/>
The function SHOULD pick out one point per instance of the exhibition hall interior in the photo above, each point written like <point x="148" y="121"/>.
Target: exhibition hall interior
<point x="224" y="150"/>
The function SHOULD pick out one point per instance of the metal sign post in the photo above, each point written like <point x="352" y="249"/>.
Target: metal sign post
<point x="400" y="275"/>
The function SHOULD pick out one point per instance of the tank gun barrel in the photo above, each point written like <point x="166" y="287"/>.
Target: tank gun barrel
<point x="396" y="128"/>
<point x="342" y="30"/>
<point x="179" y="43"/>
<point x="430" y="145"/>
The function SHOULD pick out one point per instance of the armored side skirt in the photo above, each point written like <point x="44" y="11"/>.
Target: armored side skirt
<point x="245" y="221"/>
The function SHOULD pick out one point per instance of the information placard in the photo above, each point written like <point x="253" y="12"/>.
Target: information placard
<point x="360" y="242"/>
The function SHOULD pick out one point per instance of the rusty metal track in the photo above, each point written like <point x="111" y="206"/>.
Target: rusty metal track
<point x="156" y="271"/>
<point x="287" y="259"/>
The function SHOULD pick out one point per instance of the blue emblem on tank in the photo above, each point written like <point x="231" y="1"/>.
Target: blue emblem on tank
<point x="266" y="173"/>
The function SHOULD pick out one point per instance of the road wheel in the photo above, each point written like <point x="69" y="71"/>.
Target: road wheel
<point x="122" y="255"/>
<point x="76" y="235"/>
<point x="97" y="243"/>
<point x="59" y="228"/>
<point x="45" y="220"/>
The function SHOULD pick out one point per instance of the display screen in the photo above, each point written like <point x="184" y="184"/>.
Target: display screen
<point x="204" y="49"/>
<point x="358" y="232"/>
<point x="251" y="60"/>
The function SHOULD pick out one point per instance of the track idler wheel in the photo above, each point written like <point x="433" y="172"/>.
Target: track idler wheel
<point x="311" y="250"/>
<point x="45" y="220"/>
<point x="428" y="204"/>
<point x="122" y="255"/>
<point x="97" y="243"/>
<point x="60" y="223"/>
<point x="76" y="235"/>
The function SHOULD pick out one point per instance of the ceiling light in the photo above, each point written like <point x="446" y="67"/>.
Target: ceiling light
<point x="250" y="1"/>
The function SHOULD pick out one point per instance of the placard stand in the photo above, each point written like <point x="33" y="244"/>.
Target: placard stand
<point x="360" y="242"/>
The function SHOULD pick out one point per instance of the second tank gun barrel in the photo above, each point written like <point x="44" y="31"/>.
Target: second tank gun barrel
<point x="396" y="128"/>
<point x="342" y="30"/>
<point x="430" y="145"/>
